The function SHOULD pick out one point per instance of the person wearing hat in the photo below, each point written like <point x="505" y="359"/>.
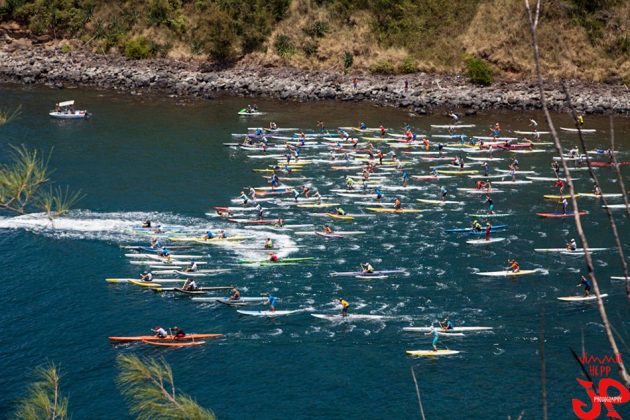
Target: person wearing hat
<point x="159" y="332"/>
<point x="146" y="276"/>
<point x="367" y="267"/>
<point x="572" y="246"/>
<point x="178" y="332"/>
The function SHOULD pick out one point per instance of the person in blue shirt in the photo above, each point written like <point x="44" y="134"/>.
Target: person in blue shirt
<point x="405" y="178"/>
<point x="363" y="125"/>
<point x="274" y="180"/>
<point x="271" y="301"/>
<point x="259" y="132"/>
<point x="436" y="335"/>
<point x="446" y="324"/>
<point x="379" y="193"/>
<point x="444" y="192"/>
<point x="164" y="252"/>
<point x="209" y="234"/>
<point x="587" y="285"/>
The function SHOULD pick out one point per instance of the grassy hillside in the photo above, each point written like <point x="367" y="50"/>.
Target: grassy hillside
<point x="585" y="39"/>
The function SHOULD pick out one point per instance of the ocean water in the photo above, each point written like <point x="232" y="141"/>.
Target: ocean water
<point x="163" y="158"/>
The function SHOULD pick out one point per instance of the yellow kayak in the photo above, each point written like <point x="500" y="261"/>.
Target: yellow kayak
<point x="317" y="206"/>
<point x="339" y="216"/>
<point x="456" y="172"/>
<point x="382" y="210"/>
<point x="143" y="283"/>
<point x="560" y="197"/>
<point x="379" y="138"/>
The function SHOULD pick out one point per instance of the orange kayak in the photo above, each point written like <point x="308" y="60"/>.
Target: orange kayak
<point x="187" y="337"/>
<point x="174" y="344"/>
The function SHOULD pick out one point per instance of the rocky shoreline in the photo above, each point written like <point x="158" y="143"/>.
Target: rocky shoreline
<point x="45" y="64"/>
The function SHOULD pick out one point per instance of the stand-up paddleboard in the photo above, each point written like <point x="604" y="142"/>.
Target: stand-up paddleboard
<point x="488" y="215"/>
<point x="484" y="159"/>
<point x="317" y="206"/>
<point x="378" y="277"/>
<point x="349" y="317"/>
<point x="517" y="182"/>
<point x="455" y="172"/>
<point x="480" y="191"/>
<point x="484" y="241"/>
<point x="605" y="195"/>
<point x="384" y="210"/>
<point x="559" y="197"/>
<point x="476" y="232"/>
<point x="455" y="329"/>
<point x="482" y="176"/>
<point x="598" y="164"/>
<point x="546" y="178"/>
<point x="267" y="313"/>
<point x="431" y="353"/>
<point x="452" y="127"/>
<point x="438" y="202"/>
<point x="617" y="278"/>
<point x="508" y="273"/>
<point x="560" y="215"/>
<point x="615" y="206"/>
<point x="507" y="171"/>
<point x="242" y="301"/>
<point x="375" y="273"/>
<point x="580" y="298"/>
<point x="575" y="130"/>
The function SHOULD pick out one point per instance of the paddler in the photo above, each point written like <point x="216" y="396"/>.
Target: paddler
<point x="485" y="169"/>
<point x="344" y="307"/>
<point x="327" y="229"/>
<point x="572" y="245"/>
<point x="587" y="285"/>
<point x="565" y="206"/>
<point x="189" y="285"/>
<point x="259" y="209"/>
<point x="560" y="184"/>
<point x="556" y="168"/>
<point x="318" y="197"/>
<point x="296" y="194"/>
<point x="268" y="243"/>
<point x="490" y="204"/>
<point x="514" y="266"/>
<point x="435" y="333"/>
<point x="349" y="183"/>
<point x="476" y="226"/>
<point x="446" y="324"/>
<point x="164" y="252"/>
<point x="252" y="193"/>
<point x="397" y="204"/>
<point x="159" y="332"/>
<point x="146" y="276"/>
<point x="444" y="192"/>
<point x="274" y="181"/>
<point x="340" y="211"/>
<point x="271" y="301"/>
<point x="146" y="224"/>
<point x="209" y="235"/>
<point x="178" y="332"/>
<point x="306" y="191"/>
<point x="580" y="120"/>
<point x="279" y="223"/>
<point x="236" y="294"/>
<point x="363" y="125"/>
<point x="192" y="267"/>
<point x="244" y="198"/>
<point x="405" y="178"/>
<point x="382" y="130"/>
<point x="155" y="243"/>
<point x="367" y="268"/>
<point x="488" y="230"/>
<point x="379" y="193"/>
<point x="481" y="184"/>
<point x="273" y="257"/>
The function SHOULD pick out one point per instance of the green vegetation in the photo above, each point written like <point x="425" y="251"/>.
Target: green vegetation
<point x="479" y="71"/>
<point x="283" y="45"/>
<point x="44" y="400"/>
<point x="147" y="383"/>
<point x="137" y="48"/>
<point x="23" y="183"/>
<point x="6" y="115"/>
<point x="348" y="60"/>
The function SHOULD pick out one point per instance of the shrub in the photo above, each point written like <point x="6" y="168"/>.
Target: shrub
<point x="317" y="29"/>
<point x="310" y="48"/>
<point x="283" y="45"/>
<point x="479" y="71"/>
<point x="66" y="48"/>
<point x="407" y="66"/>
<point x="348" y="60"/>
<point x="137" y="48"/>
<point x="382" y="67"/>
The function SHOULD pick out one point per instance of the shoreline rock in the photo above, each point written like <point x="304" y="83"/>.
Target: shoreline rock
<point x="48" y="65"/>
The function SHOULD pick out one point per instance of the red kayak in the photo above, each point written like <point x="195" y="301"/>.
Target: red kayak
<point x="168" y="338"/>
<point x="598" y="163"/>
<point x="557" y="215"/>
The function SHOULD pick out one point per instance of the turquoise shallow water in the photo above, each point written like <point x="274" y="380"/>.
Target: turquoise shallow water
<point x="163" y="158"/>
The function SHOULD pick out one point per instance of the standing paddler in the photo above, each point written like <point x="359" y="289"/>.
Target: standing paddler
<point x="344" y="307"/>
<point x="587" y="285"/>
<point x="488" y="230"/>
<point x="436" y="334"/>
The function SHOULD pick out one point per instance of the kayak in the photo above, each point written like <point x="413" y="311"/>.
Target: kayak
<point x="488" y="215"/>
<point x="517" y="182"/>
<point x="201" y="273"/>
<point x="580" y="298"/>
<point x="174" y="344"/>
<point x="560" y="197"/>
<point x="254" y="221"/>
<point x="166" y="263"/>
<point x="316" y="206"/>
<point x="453" y="127"/>
<point x="372" y="274"/>
<point x="615" y="206"/>
<point x="507" y="171"/>
<point x="329" y="235"/>
<point x="143" y="283"/>
<point x="439" y="202"/>
<point x="245" y="112"/>
<point x="431" y="353"/>
<point x="508" y="273"/>
<point x="560" y="215"/>
<point x="368" y="277"/>
<point x="383" y="210"/>
<point x="598" y="164"/>
<point x="453" y="172"/>
<point x="243" y="301"/>
<point x="470" y="230"/>
<point x="533" y="133"/>
<point x="339" y="232"/>
<point x="167" y="338"/>
<point x="455" y="329"/>
<point x="479" y="191"/>
<point x="484" y="241"/>
<point x="565" y="250"/>
<point x="267" y="313"/>
<point x="129" y="280"/>
<point x="283" y="260"/>
<point x="593" y="195"/>
<point x="430" y="177"/>
<point x="202" y="239"/>
<point x="349" y="317"/>
<point x="339" y="216"/>
<point x="199" y="289"/>
<point x="575" y="130"/>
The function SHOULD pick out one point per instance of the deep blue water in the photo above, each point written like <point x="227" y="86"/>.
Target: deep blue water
<point x="163" y="158"/>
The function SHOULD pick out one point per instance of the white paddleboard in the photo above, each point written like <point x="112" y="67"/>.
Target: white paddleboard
<point x="455" y="329"/>
<point x="266" y="313"/>
<point x="580" y="298"/>
<point x="349" y="317"/>
<point x="431" y="353"/>
<point x="484" y="242"/>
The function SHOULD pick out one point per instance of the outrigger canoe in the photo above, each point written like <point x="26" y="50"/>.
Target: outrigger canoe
<point x="508" y="273"/>
<point x="187" y="337"/>
<point x="384" y="210"/>
<point x="174" y="344"/>
<point x="281" y="261"/>
<point x="455" y="329"/>
<point x="365" y="274"/>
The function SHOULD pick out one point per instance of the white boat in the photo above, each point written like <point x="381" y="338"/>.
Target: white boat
<point x="580" y="298"/>
<point x="267" y="313"/>
<point x="455" y="329"/>
<point x="484" y="241"/>
<point x="431" y="353"/>
<point x="509" y="273"/>
<point x="65" y="111"/>
<point x="349" y="317"/>
<point x="575" y="130"/>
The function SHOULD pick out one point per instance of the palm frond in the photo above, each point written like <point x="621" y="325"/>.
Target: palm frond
<point x="6" y="115"/>
<point x="44" y="400"/>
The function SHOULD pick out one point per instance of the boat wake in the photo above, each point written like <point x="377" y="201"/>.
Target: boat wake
<point x="121" y="228"/>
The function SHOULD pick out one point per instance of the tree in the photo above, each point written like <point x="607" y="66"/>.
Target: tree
<point x="23" y="181"/>
<point x="44" y="400"/>
<point x="150" y="387"/>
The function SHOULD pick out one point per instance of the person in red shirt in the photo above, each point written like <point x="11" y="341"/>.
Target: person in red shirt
<point x="273" y="257"/>
<point x="560" y="184"/>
